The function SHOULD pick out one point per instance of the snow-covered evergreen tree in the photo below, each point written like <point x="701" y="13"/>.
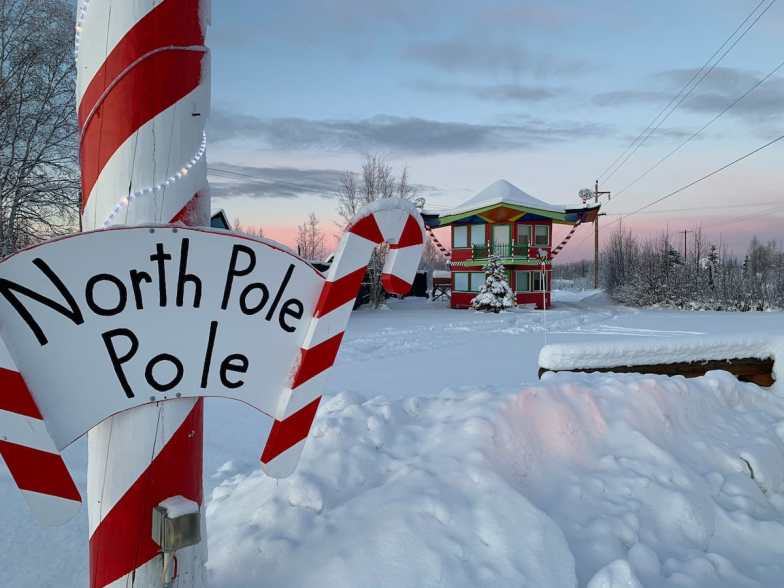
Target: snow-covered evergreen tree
<point x="496" y="294"/>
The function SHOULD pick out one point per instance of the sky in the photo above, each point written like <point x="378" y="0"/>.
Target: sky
<point x="545" y="94"/>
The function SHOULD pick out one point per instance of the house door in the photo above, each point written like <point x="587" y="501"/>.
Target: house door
<point x="502" y="240"/>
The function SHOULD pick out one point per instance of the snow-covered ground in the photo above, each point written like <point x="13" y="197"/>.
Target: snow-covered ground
<point x="438" y="459"/>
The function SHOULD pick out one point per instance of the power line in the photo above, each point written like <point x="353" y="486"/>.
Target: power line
<point x="684" y="92"/>
<point x="705" y="126"/>
<point x="691" y="184"/>
<point x="695" y="208"/>
<point x="743" y="218"/>
<point x="706" y="176"/>
<point x="689" y="92"/>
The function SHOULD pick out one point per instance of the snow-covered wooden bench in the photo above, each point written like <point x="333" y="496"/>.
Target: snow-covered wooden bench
<point x="749" y="358"/>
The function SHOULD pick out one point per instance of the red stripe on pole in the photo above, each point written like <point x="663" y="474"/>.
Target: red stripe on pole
<point x="286" y="434"/>
<point x="367" y="227"/>
<point x="39" y="471"/>
<point x="148" y="89"/>
<point x="395" y="285"/>
<point x="173" y="23"/>
<point x="189" y="213"/>
<point x="15" y="396"/>
<point x="336" y="294"/>
<point x="123" y="540"/>
<point x="411" y="235"/>
<point x="315" y="360"/>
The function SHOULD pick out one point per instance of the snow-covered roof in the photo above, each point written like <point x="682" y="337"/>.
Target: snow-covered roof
<point x="500" y="192"/>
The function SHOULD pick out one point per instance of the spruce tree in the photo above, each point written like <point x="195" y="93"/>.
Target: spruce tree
<point x="496" y="294"/>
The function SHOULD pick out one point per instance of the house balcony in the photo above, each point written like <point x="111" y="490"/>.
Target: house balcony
<point x="503" y="250"/>
<point x="508" y="254"/>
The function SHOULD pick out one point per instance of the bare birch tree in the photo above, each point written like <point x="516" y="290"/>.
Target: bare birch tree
<point x="375" y="181"/>
<point x="39" y="175"/>
<point x="250" y="230"/>
<point x="310" y="240"/>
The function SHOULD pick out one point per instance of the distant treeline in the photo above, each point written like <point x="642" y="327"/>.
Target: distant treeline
<point x="575" y="275"/>
<point x="653" y="272"/>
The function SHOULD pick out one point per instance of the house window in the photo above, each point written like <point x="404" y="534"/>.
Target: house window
<point x="469" y="281"/>
<point x="477" y="281"/>
<point x="542" y="236"/>
<point x="524" y="235"/>
<point x="461" y="282"/>
<point x="530" y="281"/>
<point x="478" y="235"/>
<point x="538" y="281"/>
<point x="459" y="236"/>
<point x="522" y="281"/>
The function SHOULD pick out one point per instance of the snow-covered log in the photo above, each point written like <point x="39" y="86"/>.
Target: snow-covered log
<point x="751" y="358"/>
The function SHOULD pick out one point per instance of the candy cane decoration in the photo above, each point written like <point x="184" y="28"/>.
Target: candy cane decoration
<point x="443" y="250"/>
<point x="143" y="99"/>
<point x="391" y="221"/>
<point x="29" y="453"/>
<point x="567" y="238"/>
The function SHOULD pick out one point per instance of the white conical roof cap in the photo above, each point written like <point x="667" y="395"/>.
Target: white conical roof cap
<point x="505" y="191"/>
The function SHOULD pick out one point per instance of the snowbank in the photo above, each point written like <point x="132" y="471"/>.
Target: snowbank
<point x="598" y="481"/>
<point x="663" y="350"/>
<point x="655" y="481"/>
<point x="389" y="494"/>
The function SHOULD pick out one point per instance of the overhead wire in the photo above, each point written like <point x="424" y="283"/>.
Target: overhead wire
<point x="691" y="184"/>
<point x="703" y="128"/>
<point x="676" y="101"/>
<point x="706" y="176"/>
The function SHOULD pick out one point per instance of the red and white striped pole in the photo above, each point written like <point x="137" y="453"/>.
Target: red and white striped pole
<point x="143" y="95"/>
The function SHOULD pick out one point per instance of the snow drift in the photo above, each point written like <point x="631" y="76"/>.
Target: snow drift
<point x="583" y="480"/>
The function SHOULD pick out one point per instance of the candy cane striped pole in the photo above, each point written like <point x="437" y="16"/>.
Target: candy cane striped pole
<point x="143" y="99"/>
<point x="392" y="221"/>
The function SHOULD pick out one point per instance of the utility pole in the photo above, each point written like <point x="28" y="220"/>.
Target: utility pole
<point x="684" y="243"/>
<point x="596" y="195"/>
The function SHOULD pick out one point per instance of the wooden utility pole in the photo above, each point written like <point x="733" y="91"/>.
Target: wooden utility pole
<point x="684" y="243"/>
<point x="596" y="195"/>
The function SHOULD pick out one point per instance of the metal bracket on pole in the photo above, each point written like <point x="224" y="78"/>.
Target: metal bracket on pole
<point x="176" y="524"/>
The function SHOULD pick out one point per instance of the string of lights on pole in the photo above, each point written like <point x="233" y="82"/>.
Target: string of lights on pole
<point x="125" y="201"/>
<point x="81" y="14"/>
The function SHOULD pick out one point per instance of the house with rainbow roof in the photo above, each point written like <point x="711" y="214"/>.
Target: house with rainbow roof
<point x="505" y="221"/>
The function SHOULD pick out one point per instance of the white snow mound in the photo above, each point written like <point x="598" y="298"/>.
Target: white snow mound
<point x="389" y="494"/>
<point x="655" y="481"/>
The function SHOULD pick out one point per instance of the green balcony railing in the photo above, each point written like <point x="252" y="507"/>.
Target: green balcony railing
<point x="504" y="250"/>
